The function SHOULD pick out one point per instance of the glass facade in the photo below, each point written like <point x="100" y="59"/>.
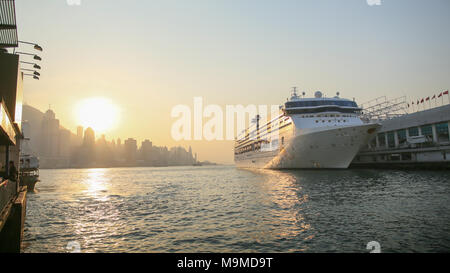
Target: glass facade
<point x="414" y="131"/>
<point x="391" y="139"/>
<point x="442" y="132"/>
<point x="427" y="130"/>
<point x="388" y="139"/>
<point x="381" y="140"/>
<point x="401" y="134"/>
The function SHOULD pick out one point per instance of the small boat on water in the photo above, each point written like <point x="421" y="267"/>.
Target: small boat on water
<point x="29" y="171"/>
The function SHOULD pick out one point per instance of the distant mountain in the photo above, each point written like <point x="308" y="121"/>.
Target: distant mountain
<point x="34" y="118"/>
<point x="31" y="114"/>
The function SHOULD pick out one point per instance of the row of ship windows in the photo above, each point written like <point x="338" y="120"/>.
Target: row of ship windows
<point x="315" y="103"/>
<point x="266" y="129"/>
<point x="269" y="125"/>
<point x="317" y="121"/>
<point x="256" y="146"/>
<point x="328" y="116"/>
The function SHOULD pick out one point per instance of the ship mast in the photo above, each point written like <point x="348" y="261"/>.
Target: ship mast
<point x="294" y="93"/>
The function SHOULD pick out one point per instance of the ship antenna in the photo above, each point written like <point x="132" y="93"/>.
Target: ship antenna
<point x="294" y="92"/>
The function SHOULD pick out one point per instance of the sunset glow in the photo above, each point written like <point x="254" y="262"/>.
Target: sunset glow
<point x="100" y="114"/>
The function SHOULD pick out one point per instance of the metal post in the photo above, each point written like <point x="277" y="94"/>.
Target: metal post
<point x="433" y="130"/>
<point x="396" y="139"/>
<point x="448" y="126"/>
<point x="7" y="161"/>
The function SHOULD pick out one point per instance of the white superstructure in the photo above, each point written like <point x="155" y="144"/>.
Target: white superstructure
<point x="307" y="133"/>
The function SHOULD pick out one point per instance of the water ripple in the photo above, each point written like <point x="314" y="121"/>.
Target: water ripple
<point x="221" y="208"/>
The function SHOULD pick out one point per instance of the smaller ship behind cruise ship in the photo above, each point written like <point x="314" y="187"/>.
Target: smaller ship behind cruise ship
<point x="307" y="133"/>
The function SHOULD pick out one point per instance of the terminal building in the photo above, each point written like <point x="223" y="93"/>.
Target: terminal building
<point x="415" y="140"/>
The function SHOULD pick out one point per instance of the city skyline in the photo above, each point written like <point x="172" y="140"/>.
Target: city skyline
<point x="59" y="147"/>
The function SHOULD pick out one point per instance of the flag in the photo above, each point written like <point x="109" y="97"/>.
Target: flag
<point x="427" y="99"/>
<point x="408" y="105"/>
<point x="412" y="102"/>
<point x="434" y="96"/>
<point x="417" y="102"/>
<point x="440" y="95"/>
<point x="446" y="92"/>
<point x="421" y="101"/>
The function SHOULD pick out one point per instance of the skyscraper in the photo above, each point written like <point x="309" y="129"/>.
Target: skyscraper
<point x="79" y="140"/>
<point x="89" y="137"/>
<point x="146" y="150"/>
<point x="49" y="135"/>
<point x="88" y="147"/>
<point x="64" y="143"/>
<point x="130" y="146"/>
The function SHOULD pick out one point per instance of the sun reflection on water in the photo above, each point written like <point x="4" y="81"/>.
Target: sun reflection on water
<point x="98" y="218"/>
<point x="97" y="184"/>
<point x="287" y="200"/>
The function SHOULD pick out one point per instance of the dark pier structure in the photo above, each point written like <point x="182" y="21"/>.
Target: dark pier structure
<point x="12" y="196"/>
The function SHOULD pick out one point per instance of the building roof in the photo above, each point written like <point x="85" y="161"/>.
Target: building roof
<point x="8" y="26"/>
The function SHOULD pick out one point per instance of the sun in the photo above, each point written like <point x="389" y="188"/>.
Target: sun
<point x="101" y="114"/>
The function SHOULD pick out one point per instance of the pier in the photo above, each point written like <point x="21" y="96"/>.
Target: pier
<point x="13" y="197"/>
<point x="414" y="140"/>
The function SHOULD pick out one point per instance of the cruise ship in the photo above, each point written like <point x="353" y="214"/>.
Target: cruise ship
<point x="305" y="133"/>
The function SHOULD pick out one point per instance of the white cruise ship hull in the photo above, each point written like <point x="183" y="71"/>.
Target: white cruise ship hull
<point x="322" y="147"/>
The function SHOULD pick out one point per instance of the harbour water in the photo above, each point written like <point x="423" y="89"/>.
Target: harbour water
<point x="224" y="209"/>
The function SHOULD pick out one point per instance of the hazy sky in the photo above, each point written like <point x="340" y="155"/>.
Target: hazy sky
<point x="148" y="56"/>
